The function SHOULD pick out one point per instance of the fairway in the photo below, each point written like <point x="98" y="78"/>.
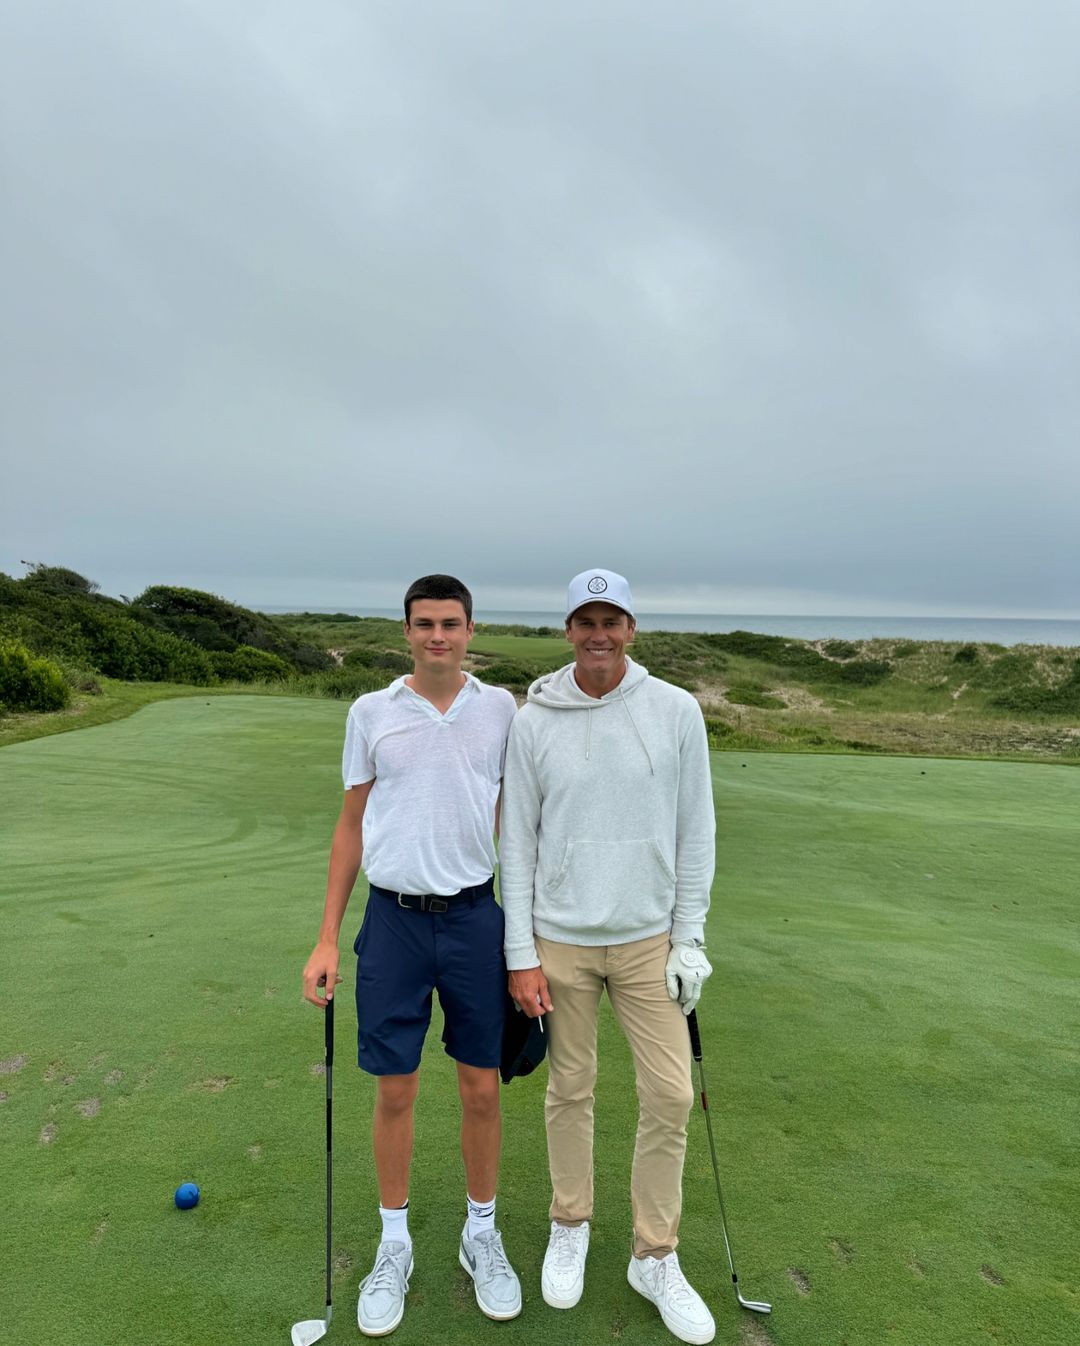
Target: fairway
<point x="891" y="1041"/>
<point x="545" y="651"/>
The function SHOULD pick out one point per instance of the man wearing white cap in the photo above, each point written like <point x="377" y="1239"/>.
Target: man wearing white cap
<point x="605" y="868"/>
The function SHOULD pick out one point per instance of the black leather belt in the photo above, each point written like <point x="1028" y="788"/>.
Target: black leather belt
<point x="431" y="902"/>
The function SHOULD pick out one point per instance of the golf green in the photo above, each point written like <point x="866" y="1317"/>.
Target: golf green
<point x="890" y="1037"/>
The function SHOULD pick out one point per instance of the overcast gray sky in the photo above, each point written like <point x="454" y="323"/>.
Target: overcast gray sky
<point x="775" y="307"/>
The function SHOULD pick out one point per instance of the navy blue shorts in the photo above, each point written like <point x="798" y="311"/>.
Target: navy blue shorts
<point x="403" y="955"/>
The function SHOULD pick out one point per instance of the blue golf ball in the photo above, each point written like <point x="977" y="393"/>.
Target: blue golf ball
<point x="187" y="1195"/>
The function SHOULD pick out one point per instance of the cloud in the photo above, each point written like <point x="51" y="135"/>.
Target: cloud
<point x="779" y="301"/>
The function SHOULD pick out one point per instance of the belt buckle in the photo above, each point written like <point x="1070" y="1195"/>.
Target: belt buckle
<point x="436" y="904"/>
<point x="402" y="904"/>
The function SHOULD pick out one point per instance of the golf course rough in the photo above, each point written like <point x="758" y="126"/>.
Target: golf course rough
<point x="890" y="1038"/>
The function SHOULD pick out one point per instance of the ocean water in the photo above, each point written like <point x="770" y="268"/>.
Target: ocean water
<point x="999" y="630"/>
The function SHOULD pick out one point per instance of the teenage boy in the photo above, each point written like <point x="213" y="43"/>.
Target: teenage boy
<point x="422" y="767"/>
<point x="606" y="865"/>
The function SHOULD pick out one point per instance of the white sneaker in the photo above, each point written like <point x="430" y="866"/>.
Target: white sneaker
<point x="382" y="1292"/>
<point x="497" y="1288"/>
<point x="681" y="1307"/>
<point x="563" y="1277"/>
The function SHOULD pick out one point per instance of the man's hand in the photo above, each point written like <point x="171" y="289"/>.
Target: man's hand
<point x="529" y="990"/>
<point x="321" y="969"/>
<point x="687" y="968"/>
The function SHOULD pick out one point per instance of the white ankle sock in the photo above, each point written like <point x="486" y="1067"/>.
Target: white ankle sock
<point x="395" y="1224"/>
<point x="481" y="1216"/>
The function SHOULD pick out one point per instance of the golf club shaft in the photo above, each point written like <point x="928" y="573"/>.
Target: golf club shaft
<point x="329" y="1047"/>
<point x="695" y="1049"/>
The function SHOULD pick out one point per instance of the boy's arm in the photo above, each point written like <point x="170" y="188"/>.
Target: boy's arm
<point x="346" y="856"/>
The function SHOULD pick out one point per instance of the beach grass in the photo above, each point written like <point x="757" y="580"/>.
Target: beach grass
<point x="890" y="1040"/>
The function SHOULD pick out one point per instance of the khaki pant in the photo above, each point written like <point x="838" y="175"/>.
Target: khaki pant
<point x="656" y="1031"/>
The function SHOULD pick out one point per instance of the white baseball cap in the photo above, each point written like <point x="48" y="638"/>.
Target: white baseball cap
<point x="599" y="586"/>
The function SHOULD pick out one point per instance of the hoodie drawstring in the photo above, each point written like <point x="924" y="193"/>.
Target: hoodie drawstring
<point x="626" y="707"/>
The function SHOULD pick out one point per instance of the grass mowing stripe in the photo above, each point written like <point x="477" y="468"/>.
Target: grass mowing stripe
<point x="890" y="1039"/>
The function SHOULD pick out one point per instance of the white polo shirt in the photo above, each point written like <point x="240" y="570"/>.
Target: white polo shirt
<point x="429" y="822"/>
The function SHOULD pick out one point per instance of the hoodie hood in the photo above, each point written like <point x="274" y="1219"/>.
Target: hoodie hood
<point x="559" y="690"/>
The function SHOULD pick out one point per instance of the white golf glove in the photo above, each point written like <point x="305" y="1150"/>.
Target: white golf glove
<point x="687" y="968"/>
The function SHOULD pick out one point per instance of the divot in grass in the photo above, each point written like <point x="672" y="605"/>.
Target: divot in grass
<point x="215" y="1084"/>
<point x="88" y="1107"/>
<point x="753" y="1333"/>
<point x="318" y="1068"/>
<point x="990" y="1275"/>
<point x="49" y="1133"/>
<point x="255" y="1153"/>
<point x="800" y="1280"/>
<point x="13" y="1064"/>
<point x="842" y="1251"/>
<point x="3" y="1096"/>
<point x="114" y="1077"/>
<point x="99" y="1232"/>
<point x="917" y="1268"/>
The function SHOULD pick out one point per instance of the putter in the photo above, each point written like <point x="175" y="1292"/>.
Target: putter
<point x="312" y="1329"/>
<point x="754" y="1305"/>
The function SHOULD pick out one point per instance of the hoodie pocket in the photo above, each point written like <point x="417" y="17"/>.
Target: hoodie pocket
<point x="598" y="880"/>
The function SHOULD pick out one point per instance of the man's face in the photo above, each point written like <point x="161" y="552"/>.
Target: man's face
<point x="599" y="633"/>
<point x="437" y="632"/>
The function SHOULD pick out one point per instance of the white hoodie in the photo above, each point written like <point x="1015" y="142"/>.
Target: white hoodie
<point x="607" y="818"/>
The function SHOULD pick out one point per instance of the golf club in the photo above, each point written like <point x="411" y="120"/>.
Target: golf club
<point x="754" y="1305"/>
<point x="312" y="1329"/>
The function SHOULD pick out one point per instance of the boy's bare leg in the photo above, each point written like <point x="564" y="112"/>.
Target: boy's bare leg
<point x="392" y="1135"/>
<point x="481" y="1129"/>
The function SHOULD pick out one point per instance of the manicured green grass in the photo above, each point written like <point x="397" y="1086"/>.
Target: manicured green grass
<point x="890" y="1039"/>
<point x="549" y="651"/>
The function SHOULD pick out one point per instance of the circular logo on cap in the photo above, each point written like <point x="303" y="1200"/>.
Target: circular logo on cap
<point x="597" y="585"/>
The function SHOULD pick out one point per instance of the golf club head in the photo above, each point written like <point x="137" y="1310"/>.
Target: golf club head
<point x="311" y="1329"/>
<point x="754" y="1305"/>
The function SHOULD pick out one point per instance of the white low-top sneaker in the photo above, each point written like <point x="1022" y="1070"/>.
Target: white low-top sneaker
<point x="681" y="1307"/>
<point x="563" y="1277"/>
<point x="382" y="1291"/>
<point x="498" y="1290"/>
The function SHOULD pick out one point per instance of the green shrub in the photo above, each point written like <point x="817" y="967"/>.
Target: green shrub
<point x="215" y="624"/>
<point x="861" y="672"/>
<point x="30" y="682"/>
<point x="840" y="649"/>
<point x="344" y="684"/>
<point x="804" y="733"/>
<point x="518" y="629"/>
<point x="122" y="648"/>
<point x="1064" y="699"/>
<point x="367" y="656"/>
<point x="59" y="580"/>
<point x="1008" y="673"/>
<point x="777" y="650"/>
<point x="718" y="731"/>
<point x="506" y="673"/>
<point x="751" y="694"/>
<point x="247" y="664"/>
<point x="966" y="654"/>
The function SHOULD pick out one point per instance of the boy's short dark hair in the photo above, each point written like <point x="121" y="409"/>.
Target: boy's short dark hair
<point x="440" y="588"/>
